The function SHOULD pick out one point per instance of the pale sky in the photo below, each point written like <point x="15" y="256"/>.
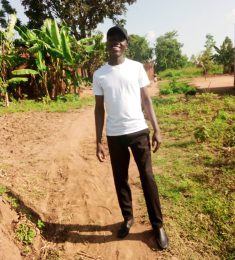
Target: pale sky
<point x="193" y="19"/>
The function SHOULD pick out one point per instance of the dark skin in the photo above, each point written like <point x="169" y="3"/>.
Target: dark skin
<point x="116" y="46"/>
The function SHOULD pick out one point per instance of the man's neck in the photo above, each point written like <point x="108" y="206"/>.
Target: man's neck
<point x="116" y="60"/>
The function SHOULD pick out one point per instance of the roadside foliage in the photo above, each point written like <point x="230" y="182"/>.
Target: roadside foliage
<point x="47" y="62"/>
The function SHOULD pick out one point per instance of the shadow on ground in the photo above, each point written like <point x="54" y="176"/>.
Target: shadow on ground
<point x="218" y="90"/>
<point x="76" y="233"/>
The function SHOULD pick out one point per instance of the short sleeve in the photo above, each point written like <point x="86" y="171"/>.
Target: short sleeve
<point x="143" y="77"/>
<point x="97" y="89"/>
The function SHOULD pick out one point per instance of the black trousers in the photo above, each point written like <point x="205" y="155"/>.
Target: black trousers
<point x="139" y="143"/>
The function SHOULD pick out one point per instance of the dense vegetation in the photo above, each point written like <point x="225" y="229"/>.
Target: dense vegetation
<point x="48" y="60"/>
<point x="81" y="16"/>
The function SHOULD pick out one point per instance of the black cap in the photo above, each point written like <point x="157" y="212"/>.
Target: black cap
<point x="118" y="29"/>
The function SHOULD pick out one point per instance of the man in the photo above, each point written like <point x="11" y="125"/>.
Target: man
<point x="121" y="85"/>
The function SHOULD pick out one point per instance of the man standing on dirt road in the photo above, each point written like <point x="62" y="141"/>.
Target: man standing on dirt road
<point x="121" y="86"/>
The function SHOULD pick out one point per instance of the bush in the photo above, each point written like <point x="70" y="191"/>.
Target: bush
<point x="25" y="233"/>
<point x="187" y="72"/>
<point x="216" y="69"/>
<point x="177" y="87"/>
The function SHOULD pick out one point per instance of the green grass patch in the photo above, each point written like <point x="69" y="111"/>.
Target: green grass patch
<point x="3" y="190"/>
<point x="188" y="72"/>
<point x="195" y="168"/>
<point x="175" y="86"/>
<point x="62" y="104"/>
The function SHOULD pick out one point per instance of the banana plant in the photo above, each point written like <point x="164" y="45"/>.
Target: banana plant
<point x="14" y="81"/>
<point x="8" y="56"/>
<point x="58" y="54"/>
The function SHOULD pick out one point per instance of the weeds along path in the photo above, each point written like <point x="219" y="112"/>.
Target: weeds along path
<point x="49" y="162"/>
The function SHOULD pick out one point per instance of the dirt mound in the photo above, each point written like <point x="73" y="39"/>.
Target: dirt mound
<point x="8" y="248"/>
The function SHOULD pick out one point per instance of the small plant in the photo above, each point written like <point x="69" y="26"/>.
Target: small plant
<point x="25" y="234"/>
<point x="177" y="87"/>
<point x="40" y="224"/>
<point x="3" y="190"/>
<point x="201" y="133"/>
<point x="13" y="201"/>
<point x="229" y="137"/>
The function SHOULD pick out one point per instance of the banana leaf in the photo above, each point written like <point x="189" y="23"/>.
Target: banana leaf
<point x="24" y="72"/>
<point x="55" y="53"/>
<point x="47" y="27"/>
<point x="66" y="47"/>
<point x="35" y="48"/>
<point x="17" y="80"/>
<point x="45" y="37"/>
<point x="55" y="34"/>
<point x="90" y="48"/>
<point x="22" y="32"/>
<point x="40" y="62"/>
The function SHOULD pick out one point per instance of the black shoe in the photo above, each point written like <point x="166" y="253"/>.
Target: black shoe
<point x="125" y="228"/>
<point x="161" y="237"/>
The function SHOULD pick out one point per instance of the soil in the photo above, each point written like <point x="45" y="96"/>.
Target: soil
<point x="223" y="84"/>
<point x="48" y="162"/>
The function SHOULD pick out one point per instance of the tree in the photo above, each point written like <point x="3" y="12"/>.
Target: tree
<point x="138" y="49"/>
<point x="82" y="16"/>
<point x="205" y="59"/>
<point x="168" y="52"/>
<point x="37" y="12"/>
<point x="7" y="10"/>
<point x="210" y="42"/>
<point x="9" y="59"/>
<point x="225" y="55"/>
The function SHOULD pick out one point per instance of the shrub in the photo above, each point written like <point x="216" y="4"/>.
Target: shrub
<point x="201" y="133"/>
<point x="187" y="72"/>
<point x="176" y="87"/>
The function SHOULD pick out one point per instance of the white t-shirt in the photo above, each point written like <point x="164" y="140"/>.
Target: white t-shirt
<point x="120" y="85"/>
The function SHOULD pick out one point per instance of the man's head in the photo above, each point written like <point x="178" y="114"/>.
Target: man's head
<point x="117" y="30"/>
<point x="117" y="41"/>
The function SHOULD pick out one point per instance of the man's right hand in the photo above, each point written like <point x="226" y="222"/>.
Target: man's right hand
<point x="100" y="152"/>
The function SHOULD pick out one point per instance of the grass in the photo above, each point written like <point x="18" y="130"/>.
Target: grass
<point x="175" y="86"/>
<point x="195" y="168"/>
<point x="188" y="72"/>
<point x="62" y="104"/>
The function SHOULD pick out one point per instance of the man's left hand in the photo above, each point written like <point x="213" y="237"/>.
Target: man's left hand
<point x="156" y="141"/>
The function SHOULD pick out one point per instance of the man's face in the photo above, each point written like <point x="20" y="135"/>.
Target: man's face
<point x="116" y="45"/>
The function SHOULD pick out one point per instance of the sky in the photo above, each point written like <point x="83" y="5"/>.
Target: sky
<point x="192" y="19"/>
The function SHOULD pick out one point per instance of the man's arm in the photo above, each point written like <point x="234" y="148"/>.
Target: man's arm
<point x="99" y="125"/>
<point x="148" y="108"/>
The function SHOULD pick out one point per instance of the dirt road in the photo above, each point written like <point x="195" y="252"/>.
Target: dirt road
<point x="48" y="160"/>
